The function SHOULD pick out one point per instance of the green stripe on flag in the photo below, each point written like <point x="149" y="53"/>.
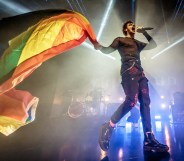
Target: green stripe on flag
<point x="10" y="58"/>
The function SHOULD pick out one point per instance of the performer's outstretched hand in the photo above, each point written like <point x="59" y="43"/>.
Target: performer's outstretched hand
<point x="97" y="46"/>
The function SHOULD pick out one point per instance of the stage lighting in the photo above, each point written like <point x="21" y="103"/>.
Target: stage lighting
<point x="157" y="117"/>
<point x="106" y="99"/>
<point x="15" y="7"/>
<point x="104" y="21"/>
<point x="120" y="154"/>
<point x="162" y="97"/>
<point x="170" y="116"/>
<point x="167" y="48"/>
<point x="158" y="125"/>
<point x="163" y="105"/>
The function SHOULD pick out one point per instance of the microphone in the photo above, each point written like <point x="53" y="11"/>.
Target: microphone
<point x="147" y="28"/>
<point x="144" y="28"/>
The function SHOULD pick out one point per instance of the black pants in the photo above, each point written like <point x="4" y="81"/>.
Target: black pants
<point x="135" y="86"/>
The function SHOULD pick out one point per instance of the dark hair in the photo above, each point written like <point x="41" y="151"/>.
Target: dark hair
<point x="125" y="27"/>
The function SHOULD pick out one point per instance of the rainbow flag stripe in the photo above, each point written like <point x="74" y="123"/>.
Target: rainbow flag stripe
<point x="26" y="52"/>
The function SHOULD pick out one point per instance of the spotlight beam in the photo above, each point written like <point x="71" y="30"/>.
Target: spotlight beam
<point x="15" y="7"/>
<point x="83" y="6"/>
<point x="180" y="5"/>
<point x="174" y="14"/>
<point x="167" y="34"/>
<point x="182" y="14"/>
<point x="70" y="5"/>
<point x="80" y="7"/>
<point x="73" y="2"/>
<point x="133" y="10"/>
<point x="106" y="15"/>
<point x="169" y="47"/>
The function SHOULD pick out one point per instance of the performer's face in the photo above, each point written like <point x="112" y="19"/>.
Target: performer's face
<point x="130" y="28"/>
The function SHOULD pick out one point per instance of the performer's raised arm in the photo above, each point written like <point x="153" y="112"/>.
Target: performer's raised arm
<point x="152" y="44"/>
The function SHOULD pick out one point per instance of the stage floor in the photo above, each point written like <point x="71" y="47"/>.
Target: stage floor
<point x="69" y="139"/>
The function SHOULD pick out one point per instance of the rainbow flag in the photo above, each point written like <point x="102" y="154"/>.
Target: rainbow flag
<point x="26" y="52"/>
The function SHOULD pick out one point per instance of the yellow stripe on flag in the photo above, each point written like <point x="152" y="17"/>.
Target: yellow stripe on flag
<point x="69" y="32"/>
<point x="9" y="125"/>
<point x="42" y="38"/>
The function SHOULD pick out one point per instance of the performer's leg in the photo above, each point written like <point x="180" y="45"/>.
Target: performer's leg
<point x="150" y="143"/>
<point x="131" y="93"/>
<point x="144" y="100"/>
<point x="130" y="86"/>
